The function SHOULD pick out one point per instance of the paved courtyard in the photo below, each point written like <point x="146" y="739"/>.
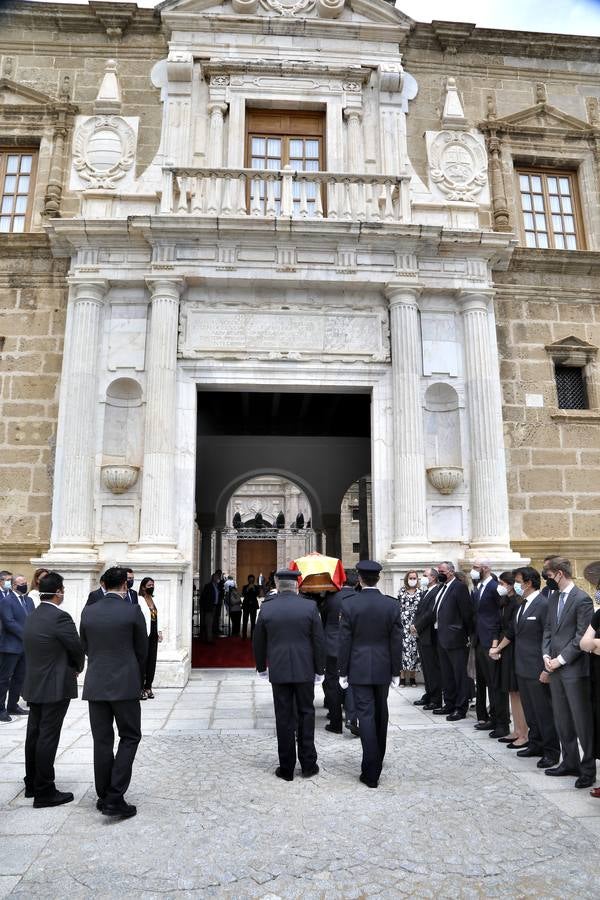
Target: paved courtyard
<point x="456" y="814"/>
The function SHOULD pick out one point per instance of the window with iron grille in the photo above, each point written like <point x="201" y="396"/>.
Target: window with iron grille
<point x="570" y="387"/>
<point x="356" y="548"/>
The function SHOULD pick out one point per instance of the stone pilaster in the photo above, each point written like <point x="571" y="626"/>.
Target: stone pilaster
<point x="157" y="523"/>
<point x="216" y="113"/>
<point x="410" y="524"/>
<point x="355" y="149"/>
<point x="74" y="486"/>
<point x="488" y="490"/>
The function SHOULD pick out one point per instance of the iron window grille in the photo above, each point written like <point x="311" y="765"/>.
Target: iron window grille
<point x="570" y="387"/>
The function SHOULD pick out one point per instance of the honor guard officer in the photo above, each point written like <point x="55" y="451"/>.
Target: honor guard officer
<point x="289" y="649"/>
<point x="370" y="659"/>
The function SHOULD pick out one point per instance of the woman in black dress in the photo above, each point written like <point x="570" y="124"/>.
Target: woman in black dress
<point x="510" y="603"/>
<point x="154" y="635"/>
<point x="590" y="642"/>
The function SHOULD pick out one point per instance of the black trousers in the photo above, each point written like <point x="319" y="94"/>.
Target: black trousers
<point x="573" y="717"/>
<point x="491" y="674"/>
<point x="248" y="614"/>
<point x="537" y="706"/>
<point x="151" y="661"/>
<point x="350" y="706"/>
<point x="431" y="673"/>
<point x="44" y="724"/>
<point x="295" y="713"/>
<point x="12" y="676"/>
<point x="455" y="682"/>
<point x="112" y="773"/>
<point x="481" y="693"/>
<point x="235" y="622"/>
<point x="370" y="701"/>
<point x="334" y="695"/>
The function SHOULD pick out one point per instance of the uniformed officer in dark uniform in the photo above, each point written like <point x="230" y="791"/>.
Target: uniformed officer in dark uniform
<point x="334" y="696"/>
<point x="289" y="640"/>
<point x="370" y="659"/>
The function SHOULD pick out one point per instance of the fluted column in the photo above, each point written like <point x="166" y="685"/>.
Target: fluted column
<point x="410" y="524"/>
<point x="216" y="112"/>
<point x="488" y="491"/>
<point x="74" y="491"/>
<point x="356" y="155"/>
<point x="157" y="525"/>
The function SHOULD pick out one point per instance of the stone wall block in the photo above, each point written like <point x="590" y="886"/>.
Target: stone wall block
<point x="540" y="480"/>
<point x="538" y="526"/>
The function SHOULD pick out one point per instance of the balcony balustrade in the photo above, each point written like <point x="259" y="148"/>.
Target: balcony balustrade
<point x="286" y="193"/>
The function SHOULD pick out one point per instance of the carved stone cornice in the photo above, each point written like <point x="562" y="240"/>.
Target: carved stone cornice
<point x="31" y="106"/>
<point x="222" y="67"/>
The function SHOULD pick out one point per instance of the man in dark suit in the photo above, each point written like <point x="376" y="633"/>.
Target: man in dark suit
<point x="113" y="634"/>
<point x="453" y="620"/>
<point x="426" y="634"/>
<point x="527" y="632"/>
<point x="131" y="596"/>
<point x="209" y="603"/>
<point x="334" y="696"/>
<point x="289" y="649"/>
<point x="15" y="606"/>
<point x="487" y="632"/>
<point x="54" y="657"/>
<point x="97" y="594"/>
<point x="569" y="613"/>
<point x="370" y="659"/>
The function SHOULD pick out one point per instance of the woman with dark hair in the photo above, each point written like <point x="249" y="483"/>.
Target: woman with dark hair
<point x="34" y="591"/>
<point x="148" y="607"/>
<point x="409" y="597"/>
<point x="510" y="602"/>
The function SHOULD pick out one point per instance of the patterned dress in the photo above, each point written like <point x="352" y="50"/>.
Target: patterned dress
<point x="408" y="605"/>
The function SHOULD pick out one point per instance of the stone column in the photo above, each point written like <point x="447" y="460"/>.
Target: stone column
<point x="74" y="492"/>
<point x="157" y="523"/>
<point x="356" y="155"/>
<point x="410" y="525"/>
<point x="488" y="491"/>
<point x="216" y="112"/>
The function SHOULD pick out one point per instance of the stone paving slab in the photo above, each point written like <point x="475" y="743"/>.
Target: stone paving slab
<point x="455" y="815"/>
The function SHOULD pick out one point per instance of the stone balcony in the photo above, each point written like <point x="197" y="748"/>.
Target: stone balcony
<point x="285" y="193"/>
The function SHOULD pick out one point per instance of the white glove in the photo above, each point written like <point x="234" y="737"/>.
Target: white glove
<point x="395" y="681"/>
<point x="319" y="679"/>
<point x="264" y="674"/>
<point x="343" y="682"/>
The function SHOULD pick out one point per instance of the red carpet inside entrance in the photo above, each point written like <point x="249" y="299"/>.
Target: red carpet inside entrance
<point x="225" y="653"/>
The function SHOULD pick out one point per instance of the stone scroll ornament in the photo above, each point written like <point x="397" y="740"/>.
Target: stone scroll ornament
<point x="458" y="164"/>
<point x="326" y="9"/>
<point x="103" y="150"/>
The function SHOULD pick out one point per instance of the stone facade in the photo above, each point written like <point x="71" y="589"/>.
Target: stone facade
<point x="399" y="269"/>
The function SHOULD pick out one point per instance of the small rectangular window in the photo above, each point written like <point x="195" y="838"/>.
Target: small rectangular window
<point x="570" y="387"/>
<point x="355" y="513"/>
<point x="17" y="178"/>
<point x="356" y="548"/>
<point x="550" y="209"/>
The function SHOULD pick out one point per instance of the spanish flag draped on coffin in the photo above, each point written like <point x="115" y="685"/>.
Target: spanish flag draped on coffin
<point x="319" y="573"/>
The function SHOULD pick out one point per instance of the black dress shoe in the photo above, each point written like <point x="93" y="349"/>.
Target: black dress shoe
<point x="29" y="792"/>
<point x="334" y="729"/>
<point x="442" y="710"/>
<point x="506" y="740"/>
<point x="371" y="784"/>
<point x="585" y="781"/>
<point x="430" y="706"/>
<point x="529" y="752"/>
<point x="308" y="773"/>
<point x="561" y="770"/>
<point x="514" y="746"/>
<point x="4" y="716"/>
<point x="18" y="711"/>
<point x="546" y="762"/>
<point x="55" y="799"/>
<point x="420" y="702"/>
<point x="99" y="804"/>
<point x="122" y="810"/>
<point x="281" y="774"/>
<point x="483" y="726"/>
<point x="456" y="716"/>
<point x="498" y="733"/>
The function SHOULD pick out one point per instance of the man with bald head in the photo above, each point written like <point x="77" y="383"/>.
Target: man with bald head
<point x="487" y="634"/>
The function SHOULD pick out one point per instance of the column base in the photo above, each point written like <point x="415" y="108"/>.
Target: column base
<point x="503" y="558"/>
<point x="150" y="553"/>
<point x="69" y="554"/>
<point x="173" y="669"/>
<point x="411" y="553"/>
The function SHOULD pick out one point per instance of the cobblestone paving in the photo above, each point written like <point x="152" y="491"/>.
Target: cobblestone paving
<point x="450" y="818"/>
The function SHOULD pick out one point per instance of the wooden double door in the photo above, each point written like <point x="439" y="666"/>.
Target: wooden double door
<point x="255" y="558"/>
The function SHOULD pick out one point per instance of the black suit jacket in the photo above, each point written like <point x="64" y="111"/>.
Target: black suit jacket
<point x="455" y="617"/>
<point x="562" y="638"/>
<point x="289" y="639"/>
<point x="113" y="634"/>
<point x="332" y="609"/>
<point x="370" y="647"/>
<point x="488" y="618"/>
<point x="423" y="618"/>
<point x="133" y="594"/>
<point x="207" y="597"/>
<point x="53" y="655"/>
<point x="94" y="596"/>
<point x="527" y="631"/>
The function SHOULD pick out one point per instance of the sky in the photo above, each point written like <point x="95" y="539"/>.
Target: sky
<point x="566" y="16"/>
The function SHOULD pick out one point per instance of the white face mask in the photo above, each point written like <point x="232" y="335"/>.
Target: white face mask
<point x="412" y="582"/>
<point x="424" y="582"/>
<point x="8" y="585"/>
<point x="475" y="575"/>
<point x="502" y="590"/>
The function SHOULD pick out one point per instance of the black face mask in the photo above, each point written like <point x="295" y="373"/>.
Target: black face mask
<point x="552" y="584"/>
<point x="130" y="582"/>
<point x="150" y="590"/>
<point x="442" y="578"/>
<point x="21" y="588"/>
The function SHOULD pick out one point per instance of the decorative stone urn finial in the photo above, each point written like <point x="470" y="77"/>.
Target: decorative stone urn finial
<point x="119" y="478"/>
<point x="445" y="479"/>
<point x="108" y="100"/>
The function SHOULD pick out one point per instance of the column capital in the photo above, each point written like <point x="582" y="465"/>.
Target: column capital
<point x="94" y="291"/>
<point x="217" y="107"/>
<point x="476" y="300"/>
<point x="399" y="294"/>
<point x="352" y="112"/>
<point x="168" y="288"/>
